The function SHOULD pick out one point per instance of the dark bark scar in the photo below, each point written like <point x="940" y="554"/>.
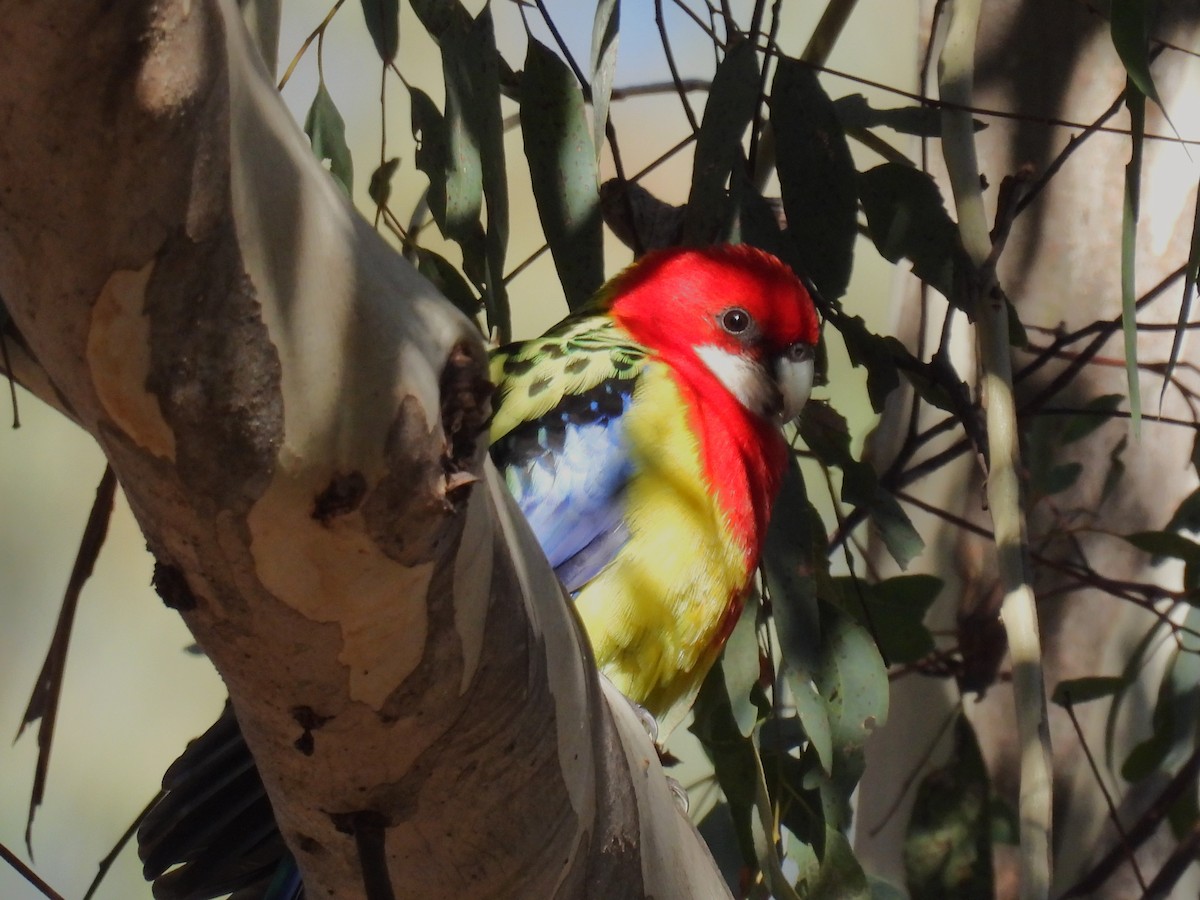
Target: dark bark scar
<point x="342" y="495"/>
<point x="466" y="406"/>
<point x="170" y="584"/>
<point x="309" y="720"/>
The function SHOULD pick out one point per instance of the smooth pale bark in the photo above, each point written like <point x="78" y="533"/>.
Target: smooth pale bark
<point x="297" y="420"/>
<point x="1061" y="267"/>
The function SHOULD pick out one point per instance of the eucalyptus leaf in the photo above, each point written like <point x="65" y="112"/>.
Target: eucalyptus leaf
<point x="742" y="669"/>
<point x="732" y="755"/>
<point x="731" y="102"/>
<point x="380" y="188"/>
<point x="383" y="23"/>
<point x="327" y="133"/>
<point x="462" y="152"/>
<point x="606" y="26"/>
<point x="1190" y="273"/>
<point x="853" y="679"/>
<point x="826" y="434"/>
<point x="1129" y="28"/>
<point x="793" y="561"/>
<point x="1176" y="711"/>
<point x="894" y="609"/>
<point x="816" y="177"/>
<point x="446" y="278"/>
<point x="562" y="169"/>
<point x="876" y="353"/>
<point x="907" y="219"/>
<point x="837" y="873"/>
<point x="1130" y="213"/>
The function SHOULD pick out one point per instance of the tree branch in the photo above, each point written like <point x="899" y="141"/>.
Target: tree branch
<point x="297" y="420"/>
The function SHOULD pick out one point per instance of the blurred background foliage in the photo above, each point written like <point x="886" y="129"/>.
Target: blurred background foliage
<point x="475" y="137"/>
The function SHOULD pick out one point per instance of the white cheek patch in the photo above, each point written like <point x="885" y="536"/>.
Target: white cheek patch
<point x="743" y="378"/>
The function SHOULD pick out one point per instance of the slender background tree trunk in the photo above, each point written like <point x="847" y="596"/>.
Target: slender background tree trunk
<point x="1061" y="269"/>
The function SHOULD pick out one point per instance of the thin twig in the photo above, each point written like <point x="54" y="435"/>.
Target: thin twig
<point x="676" y="81"/>
<point x="317" y="32"/>
<point x="28" y="874"/>
<point x="1108" y="800"/>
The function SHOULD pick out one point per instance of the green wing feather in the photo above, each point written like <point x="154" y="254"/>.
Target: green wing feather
<point x="580" y="353"/>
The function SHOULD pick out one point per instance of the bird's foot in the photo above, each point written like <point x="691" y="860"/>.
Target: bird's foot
<point x="679" y="795"/>
<point x="648" y="721"/>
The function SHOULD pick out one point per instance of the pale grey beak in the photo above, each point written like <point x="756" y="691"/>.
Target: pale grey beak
<point x="794" y="374"/>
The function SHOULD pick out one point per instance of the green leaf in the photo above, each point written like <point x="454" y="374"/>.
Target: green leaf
<point x="606" y="27"/>
<point x="826" y="434"/>
<point x="383" y="22"/>
<point x="1091" y="416"/>
<point x="1129" y="27"/>
<point x="907" y="219"/>
<point x="1072" y="692"/>
<point x="853" y="680"/>
<point x="1137" y="659"/>
<point x="440" y="17"/>
<point x="455" y="183"/>
<point x="462" y="151"/>
<point x="562" y="169"/>
<point x="874" y="352"/>
<point x="446" y="278"/>
<point x="1175" y="712"/>
<point x="732" y="755"/>
<point x="380" y="188"/>
<point x="816" y="177"/>
<point x="1136" y="104"/>
<point x="731" y="102"/>
<point x="836" y="874"/>
<point x="1190" y="273"/>
<point x="793" y="560"/>
<point x="740" y="665"/>
<point x="894" y="610"/>
<point x="947" y="851"/>
<point x="327" y="133"/>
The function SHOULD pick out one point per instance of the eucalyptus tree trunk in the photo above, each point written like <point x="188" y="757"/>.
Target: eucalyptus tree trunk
<point x="1061" y="269"/>
<point x="298" y="422"/>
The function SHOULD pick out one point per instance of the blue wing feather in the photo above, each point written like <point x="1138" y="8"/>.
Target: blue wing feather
<point x="567" y="471"/>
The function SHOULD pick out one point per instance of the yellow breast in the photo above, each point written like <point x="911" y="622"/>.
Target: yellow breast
<point x="655" y="613"/>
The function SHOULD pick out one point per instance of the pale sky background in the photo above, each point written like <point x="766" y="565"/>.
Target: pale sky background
<point x="133" y="697"/>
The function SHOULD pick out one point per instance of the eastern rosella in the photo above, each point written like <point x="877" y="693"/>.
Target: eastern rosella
<point x="641" y="439"/>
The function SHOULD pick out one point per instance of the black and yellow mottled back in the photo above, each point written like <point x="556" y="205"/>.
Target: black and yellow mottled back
<point x="579" y="354"/>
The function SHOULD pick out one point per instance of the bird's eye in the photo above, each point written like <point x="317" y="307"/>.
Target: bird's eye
<point x="735" y="320"/>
